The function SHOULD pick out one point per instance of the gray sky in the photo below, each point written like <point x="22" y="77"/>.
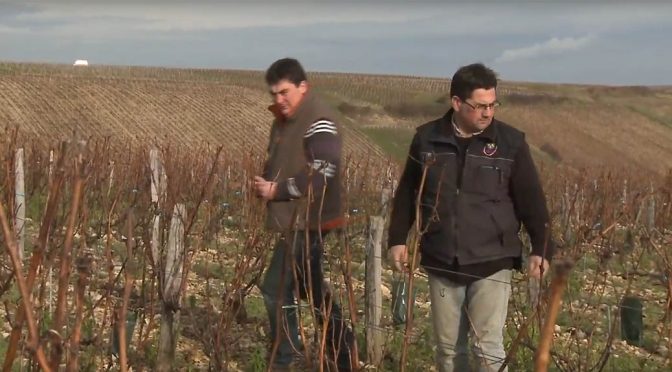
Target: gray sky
<point x="552" y="41"/>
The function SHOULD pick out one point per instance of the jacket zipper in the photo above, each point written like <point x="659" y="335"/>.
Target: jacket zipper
<point x="457" y="196"/>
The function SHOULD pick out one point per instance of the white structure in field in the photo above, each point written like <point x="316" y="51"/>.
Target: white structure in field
<point x="81" y="62"/>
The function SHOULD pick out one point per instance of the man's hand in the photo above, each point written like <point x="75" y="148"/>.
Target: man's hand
<point x="398" y="256"/>
<point x="265" y="189"/>
<point x="534" y="266"/>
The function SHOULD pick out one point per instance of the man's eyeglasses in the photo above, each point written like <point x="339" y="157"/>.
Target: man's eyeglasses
<point x="481" y="106"/>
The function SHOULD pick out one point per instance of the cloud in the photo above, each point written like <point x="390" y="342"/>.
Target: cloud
<point x="208" y="17"/>
<point x="12" y="30"/>
<point x="552" y="46"/>
<point x="124" y="19"/>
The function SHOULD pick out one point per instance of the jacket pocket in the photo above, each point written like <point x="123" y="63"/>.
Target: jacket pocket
<point x="505" y="226"/>
<point x="489" y="179"/>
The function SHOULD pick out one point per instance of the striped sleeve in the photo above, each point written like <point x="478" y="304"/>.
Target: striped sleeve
<point x="321" y="126"/>
<point x="322" y="146"/>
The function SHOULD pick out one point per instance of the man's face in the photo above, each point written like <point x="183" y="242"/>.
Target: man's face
<point x="287" y="96"/>
<point x="476" y="112"/>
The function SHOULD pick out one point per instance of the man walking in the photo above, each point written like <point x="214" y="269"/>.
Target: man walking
<point x="301" y="182"/>
<point x="476" y="182"/>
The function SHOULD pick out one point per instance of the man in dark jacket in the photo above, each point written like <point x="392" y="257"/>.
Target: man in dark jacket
<point x="475" y="181"/>
<point x="301" y="182"/>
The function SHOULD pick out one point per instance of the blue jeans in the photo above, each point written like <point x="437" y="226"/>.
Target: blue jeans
<point x="296" y="267"/>
<point x="478" y="309"/>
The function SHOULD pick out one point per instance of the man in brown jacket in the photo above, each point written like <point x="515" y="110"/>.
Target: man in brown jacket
<point x="301" y="182"/>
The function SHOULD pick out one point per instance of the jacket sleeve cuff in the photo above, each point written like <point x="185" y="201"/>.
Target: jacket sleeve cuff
<point x="287" y="190"/>
<point x="539" y="250"/>
<point x="396" y="239"/>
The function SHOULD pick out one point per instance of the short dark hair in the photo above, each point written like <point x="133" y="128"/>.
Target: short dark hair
<point x="285" y="69"/>
<point x="471" y="77"/>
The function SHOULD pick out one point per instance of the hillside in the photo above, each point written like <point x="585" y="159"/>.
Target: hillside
<point x="571" y="125"/>
<point x="52" y="102"/>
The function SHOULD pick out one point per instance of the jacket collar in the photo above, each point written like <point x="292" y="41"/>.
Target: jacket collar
<point x="443" y="130"/>
<point x="307" y="97"/>
<point x="275" y="110"/>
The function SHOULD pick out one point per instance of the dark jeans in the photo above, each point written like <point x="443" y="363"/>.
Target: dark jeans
<point x="292" y="256"/>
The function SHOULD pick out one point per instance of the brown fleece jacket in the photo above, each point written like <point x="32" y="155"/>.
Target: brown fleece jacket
<point x="304" y="156"/>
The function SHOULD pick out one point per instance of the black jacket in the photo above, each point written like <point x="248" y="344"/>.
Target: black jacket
<point x="478" y="219"/>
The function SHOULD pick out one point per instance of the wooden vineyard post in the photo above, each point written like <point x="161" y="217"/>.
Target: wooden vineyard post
<point x="385" y="200"/>
<point x="158" y="190"/>
<point x="651" y="211"/>
<point x="111" y="183"/>
<point x="172" y="281"/>
<point x="374" y="299"/>
<point x="50" y="279"/>
<point x="19" y="203"/>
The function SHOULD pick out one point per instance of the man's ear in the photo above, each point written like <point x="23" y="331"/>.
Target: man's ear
<point x="455" y="102"/>
<point x="303" y="87"/>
